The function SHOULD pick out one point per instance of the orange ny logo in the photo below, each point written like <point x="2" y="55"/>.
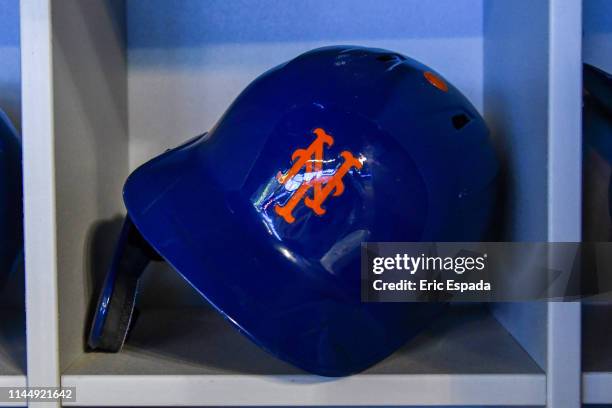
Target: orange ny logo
<point x="311" y="159"/>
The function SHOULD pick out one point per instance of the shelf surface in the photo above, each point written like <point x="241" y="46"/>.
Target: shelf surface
<point x="12" y="350"/>
<point x="597" y="353"/>
<point x="194" y="357"/>
<point x="12" y="344"/>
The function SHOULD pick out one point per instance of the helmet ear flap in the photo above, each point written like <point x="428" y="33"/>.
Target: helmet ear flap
<point x="115" y="308"/>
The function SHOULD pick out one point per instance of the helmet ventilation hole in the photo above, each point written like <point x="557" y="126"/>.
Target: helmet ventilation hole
<point x="460" y="120"/>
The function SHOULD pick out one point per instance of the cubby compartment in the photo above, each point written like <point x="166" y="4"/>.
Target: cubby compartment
<point x="177" y="355"/>
<point x="130" y="79"/>
<point x="12" y="293"/>
<point x="597" y="353"/>
<point x="597" y="316"/>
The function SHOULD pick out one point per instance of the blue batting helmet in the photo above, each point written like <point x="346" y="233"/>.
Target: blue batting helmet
<point x="265" y="214"/>
<point x="598" y="117"/>
<point x="10" y="198"/>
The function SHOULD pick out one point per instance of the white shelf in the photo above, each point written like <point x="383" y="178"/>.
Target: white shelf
<point x="194" y="357"/>
<point x="597" y="387"/>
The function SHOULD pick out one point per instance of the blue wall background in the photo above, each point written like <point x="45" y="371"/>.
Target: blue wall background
<point x="197" y="23"/>
<point x="10" y="69"/>
<point x="189" y="59"/>
<point x="597" y="29"/>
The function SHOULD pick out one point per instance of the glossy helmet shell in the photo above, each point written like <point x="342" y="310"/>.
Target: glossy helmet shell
<point x="422" y="169"/>
<point x="597" y="128"/>
<point x="10" y="198"/>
